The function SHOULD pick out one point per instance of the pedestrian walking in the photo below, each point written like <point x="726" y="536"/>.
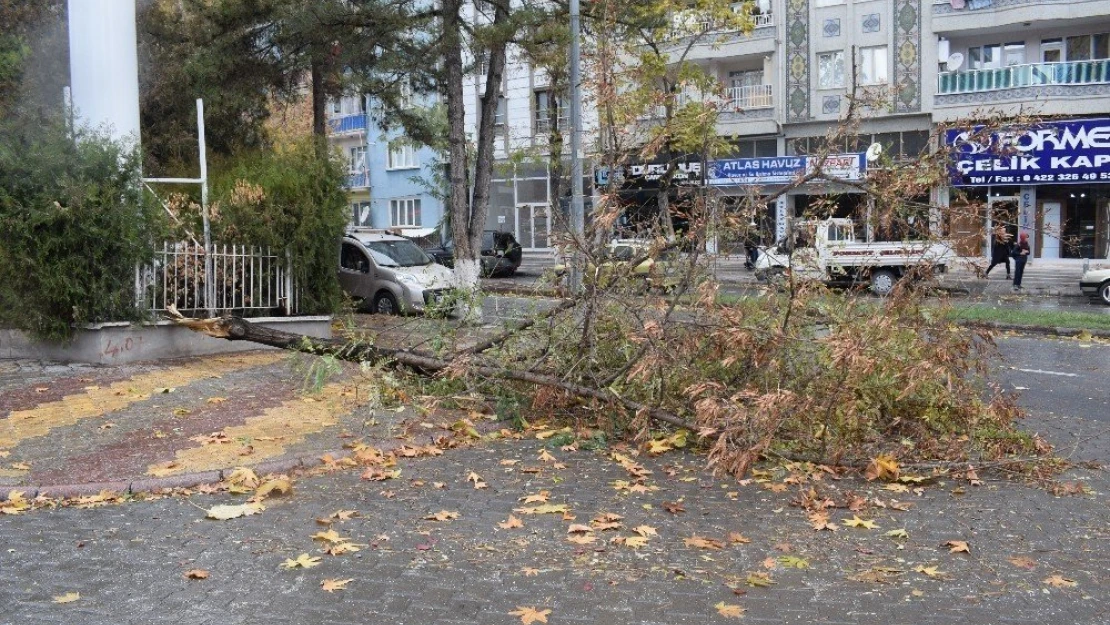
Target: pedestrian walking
<point x="1021" y="256"/>
<point x="1000" y="253"/>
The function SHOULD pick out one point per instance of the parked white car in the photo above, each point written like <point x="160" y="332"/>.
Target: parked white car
<point x="391" y="274"/>
<point x="1096" y="284"/>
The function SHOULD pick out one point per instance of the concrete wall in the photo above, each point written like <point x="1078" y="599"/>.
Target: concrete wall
<point x="122" y="343"/>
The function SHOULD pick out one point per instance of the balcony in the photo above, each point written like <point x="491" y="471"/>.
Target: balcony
<point x="1028" y="75"/>
<point x="747" y="98"/>
<point x="682" y="30"/>
<point x="751" y="101"/>
<point x="347" y="124"/>
<point x="358" y="180"/>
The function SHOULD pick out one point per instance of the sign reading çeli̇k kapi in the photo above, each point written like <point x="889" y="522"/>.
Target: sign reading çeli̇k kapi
<point x="1064" y="152"/>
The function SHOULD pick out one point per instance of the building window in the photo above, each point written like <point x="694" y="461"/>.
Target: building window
<point x="1087" y="47"/>
<point x="830" y="70"/>
<point x="404" y="212"/>
<point x="402" y="155"/>
<point x="360" y="213"/>
<point x="873" y="66"/>
<point x="356" y="160"/>
<point x="544" y="102"/>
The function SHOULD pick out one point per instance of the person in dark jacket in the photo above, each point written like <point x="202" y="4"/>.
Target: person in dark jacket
<point x="1000" y="253"/>
<point x="1021" y="256"/>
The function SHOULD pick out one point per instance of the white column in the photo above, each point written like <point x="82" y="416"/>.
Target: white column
<point x="104" y="66"/>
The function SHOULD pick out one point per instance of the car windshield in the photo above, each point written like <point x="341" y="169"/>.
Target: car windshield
<point x="397" y="254"/>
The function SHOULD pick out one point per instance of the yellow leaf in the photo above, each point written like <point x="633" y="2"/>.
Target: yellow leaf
<point x="511" y="523"/>
<point x="635" y="542"/>
<point x="540" y="497"/>
<point x="303" y="561"/>
<point x="530" y="615"/>
<point x="216" y="400"/>
<point x="659" y="447"/>
<point x="882" y="467"/>
<point x="225" y="512"/>
<point x="794" y="562"/>
<point x="729" y="610"/>
<point x="1059" y="581"/>
<point x="164" y="469"/>
<point x="279" y="486"/>
<point x="1022" y="562"/>
<point x="578" y="528"/>
<point x="759" y="580"/>
<point x="855" y="521"/>
<point x="243" y="476"/>
<point x="546" y="457"/>
<point x="343" y="515"/>
<point x="332" y="585"/>
<point x="529" y="571"/>
<point x="898" y="488"/>
<point x="330" y="536"/>
<point x="898" y="533"/>
<point x="957" y="546"/>
<point x="549" y="508"/>
<point x="477" y="479"/>
<point x="703" y="543"/>
<point x="69" y="597"/>
<point x="928" y="571"/>
<point x="196" y="574"/>
<point x="581" y="539"/>
<point x="442" y="515"/>
<point x="646" y="531"/>
<point x="339" y="549"/>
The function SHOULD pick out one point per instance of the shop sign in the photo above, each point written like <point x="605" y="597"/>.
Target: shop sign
<point x="1067" y="152"/>
<point x="783" y="169"/>
<point x="639" y="173"/>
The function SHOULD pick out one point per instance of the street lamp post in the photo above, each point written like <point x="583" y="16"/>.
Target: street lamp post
<point x="577" y="217"/>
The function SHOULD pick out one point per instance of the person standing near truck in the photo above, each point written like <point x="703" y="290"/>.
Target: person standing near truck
<point x="1000" y="253"/>
<point x="1021" y="256"/>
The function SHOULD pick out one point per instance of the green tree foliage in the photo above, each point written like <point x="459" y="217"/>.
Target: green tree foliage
<point x="73" y="226"/>
<point x="287" y="200"/>
<point x="34" y="57"/>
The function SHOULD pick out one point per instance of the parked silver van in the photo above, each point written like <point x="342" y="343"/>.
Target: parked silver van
<point x="391" y="274"/>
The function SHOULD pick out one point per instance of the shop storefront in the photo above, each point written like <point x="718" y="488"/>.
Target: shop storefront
<point x="1051" y="181"/>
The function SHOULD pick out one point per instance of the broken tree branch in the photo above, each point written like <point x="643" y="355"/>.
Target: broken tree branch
<point x="238" y="329"/>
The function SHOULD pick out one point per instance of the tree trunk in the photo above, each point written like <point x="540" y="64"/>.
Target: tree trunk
<point x="319" y="108"/>
<point x="238" y="329"/>
<point x="458" y="171"/>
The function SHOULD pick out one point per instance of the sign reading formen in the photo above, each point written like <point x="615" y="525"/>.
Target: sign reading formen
<point x="783" y="169"/>
<point x="1066" y="152"/>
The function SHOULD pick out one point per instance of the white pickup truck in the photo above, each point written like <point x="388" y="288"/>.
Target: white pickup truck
<point x="827" y="250"/>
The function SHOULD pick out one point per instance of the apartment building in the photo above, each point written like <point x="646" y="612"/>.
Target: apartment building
<point x="391" y="180"/>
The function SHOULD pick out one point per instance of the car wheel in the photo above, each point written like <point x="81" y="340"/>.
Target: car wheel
<point x="882" y="282"/>
<point x="385" y="304"/>
<point x="1104" y="292"/>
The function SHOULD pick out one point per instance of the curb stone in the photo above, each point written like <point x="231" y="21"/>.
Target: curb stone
<point x="1041" y="330"/>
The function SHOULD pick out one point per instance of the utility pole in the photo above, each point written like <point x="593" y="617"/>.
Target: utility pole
<point x="577" y="217"/>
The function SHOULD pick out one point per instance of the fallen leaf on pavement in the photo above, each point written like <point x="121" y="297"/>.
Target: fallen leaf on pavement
<point x="227" y="512"/>
<point x="332" y="585"/>
<point x="635" y="542"/>
<point x="673" y="507"/>
<point x="759" y="580"/>
<point x="339" y="549"/>
<point x="957" y="546"/>
<point x="549" y="508"/>
<point x="477" y="479"/>
<point x="530" y="615"/>
<point x="820" y="521"/>
<point x="737" y="538"/>
<point x="196" y="574"/>
<point x="269" y="488"/>
<point x="330" y="536"/>
<point x="513" y="522"/>
<point x="69" y="597"/>
<point x="855" y="521"/>
<point x="303" y="561"/>
<point x="581" y="539"/>
<point x="703" y="543"/>
<point x="540" y="497"/>
<point x="1022" y="562"/>
<point x="793" y="562"/>
<point x="164" y="469"/>
<point x="529" y="571"/>
<point x="1059" y="581"/>
<point x="882" y="467"/>
<point x="648" y="531"/>
<point x="898" y="533"/>
<point x="928" y="571"/>
<point x="442" y="515"/>
<point x="578" y="528"/>
<point x="730" y="610"/>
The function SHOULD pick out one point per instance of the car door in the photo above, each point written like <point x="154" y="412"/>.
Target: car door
<point x="356" y="271"/>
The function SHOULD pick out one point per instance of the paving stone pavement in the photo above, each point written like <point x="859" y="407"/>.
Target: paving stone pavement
<point x="128" y="562"/>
